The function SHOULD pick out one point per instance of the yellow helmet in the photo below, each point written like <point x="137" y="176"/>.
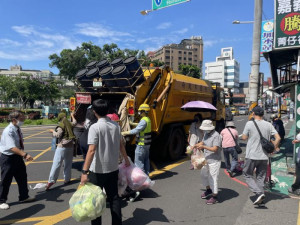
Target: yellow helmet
<point x="144" y="107"/>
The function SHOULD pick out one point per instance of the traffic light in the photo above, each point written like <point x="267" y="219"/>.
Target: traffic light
<point x="230" y="97"/>
<point x="72" y="104"/>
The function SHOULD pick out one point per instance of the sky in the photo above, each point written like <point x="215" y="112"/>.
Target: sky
<point x="31" y="30"/>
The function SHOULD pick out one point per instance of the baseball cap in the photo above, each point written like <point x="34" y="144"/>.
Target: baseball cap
<point x="258" y="111"/>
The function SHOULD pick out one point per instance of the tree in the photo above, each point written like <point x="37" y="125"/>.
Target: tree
<point x="69" y="61"/>
<point x="190" y="70"/>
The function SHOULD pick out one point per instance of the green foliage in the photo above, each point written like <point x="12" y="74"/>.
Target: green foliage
<point x="39" y="122"/>
<point x="27" y="122"/>
<point x="190" y="70"/>
<point x="69" y="61"/>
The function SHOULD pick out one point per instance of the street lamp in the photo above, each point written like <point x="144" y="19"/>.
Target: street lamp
<point x="146" y="12"/>
<point x="241" y="22"/>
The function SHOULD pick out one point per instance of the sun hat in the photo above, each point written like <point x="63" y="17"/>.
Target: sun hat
<point x="207" y="125"/>
<point x="230" y="124"/>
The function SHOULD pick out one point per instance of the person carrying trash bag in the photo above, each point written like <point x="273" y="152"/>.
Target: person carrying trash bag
<point x="211" y="145"/>
<point x="143" y="140"/>
<point x="102" y="160"/>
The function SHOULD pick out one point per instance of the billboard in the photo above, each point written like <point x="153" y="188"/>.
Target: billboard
<point x="267" y="28"/>
<point x="287" y="24"/>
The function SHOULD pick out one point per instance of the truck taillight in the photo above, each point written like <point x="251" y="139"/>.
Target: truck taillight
<point x="130" y="107"/>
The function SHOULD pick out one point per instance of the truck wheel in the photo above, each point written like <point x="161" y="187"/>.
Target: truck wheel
<point x="176" y="144"/>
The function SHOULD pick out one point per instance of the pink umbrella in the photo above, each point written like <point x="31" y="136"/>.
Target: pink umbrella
<point x="198" y="106"/>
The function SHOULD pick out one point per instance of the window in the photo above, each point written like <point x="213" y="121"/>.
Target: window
<point x="167" y="57"/>
<point x="190" y="59"/>
<point x="190" y="53"/>
<point x="179" y="52"/>
<point x="184" y="53"/>
<point x="184" y="58"/>
<point x="195" y="49"/>
<point x="195" y="56"/>
<point x="179" y="58"/>
<point x="167" y="51"/>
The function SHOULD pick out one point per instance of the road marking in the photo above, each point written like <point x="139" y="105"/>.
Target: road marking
<point x="34" y="150"/>
<point x="75" y="160"/>
<point x="36" y="143"/>
<point x="45" y="181"/>
<point x="237" y="180"/>
<point x="31" y="219"/>
<point x="34" y="158"/>
<point x="42" y="137"/>
<point x="50" y="220"/>
<point x="298" y="221"/>
<point x="240" y="120"/>
<point x="35" y="134"/>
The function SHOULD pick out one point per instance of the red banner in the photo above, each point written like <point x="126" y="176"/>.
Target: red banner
<point x="83" y="98"/>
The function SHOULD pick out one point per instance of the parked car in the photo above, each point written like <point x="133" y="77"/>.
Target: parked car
<point x="243" y="111"/>
<point x="269" y="110"/>
<point x="229" y="116"/>
<point x="234" y="111"/>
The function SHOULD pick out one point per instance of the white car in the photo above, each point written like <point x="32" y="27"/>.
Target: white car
<point x="243" y="111"/>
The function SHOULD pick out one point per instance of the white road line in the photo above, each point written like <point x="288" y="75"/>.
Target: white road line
<point x="240" y="120"/>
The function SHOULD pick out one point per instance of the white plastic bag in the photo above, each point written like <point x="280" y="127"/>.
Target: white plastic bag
<point x="87" y="203"/>
<point x="198" y="160"/>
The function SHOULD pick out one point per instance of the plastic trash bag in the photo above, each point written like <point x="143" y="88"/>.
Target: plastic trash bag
<point x="198" y="159"/>
<point x="87" y="203"/>
<point x="122" y="179"/>
<point x="53" y="144"/>
<point x="38" y="186"/>
<point x="136" y="178"/>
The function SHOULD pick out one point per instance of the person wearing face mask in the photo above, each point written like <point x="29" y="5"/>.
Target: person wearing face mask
<point x="211" y="145"/>
<point x="12" y="160"/>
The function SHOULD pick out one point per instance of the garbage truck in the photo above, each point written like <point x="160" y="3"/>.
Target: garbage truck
<point x="165" y="92"/>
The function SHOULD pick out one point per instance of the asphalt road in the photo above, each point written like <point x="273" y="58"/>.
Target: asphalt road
<point x="174" y="199"/>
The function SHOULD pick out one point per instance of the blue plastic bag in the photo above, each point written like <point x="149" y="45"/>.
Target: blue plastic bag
<point x="53" y="144"/>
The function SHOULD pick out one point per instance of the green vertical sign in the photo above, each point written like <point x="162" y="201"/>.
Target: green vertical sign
<point x="159" y="4"/>
<point x="287" y="26"/>
<point x="297" y="117"/>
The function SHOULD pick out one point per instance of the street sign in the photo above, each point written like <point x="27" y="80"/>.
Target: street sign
<point x="84" y="98"/>
<point x="266" y="36"/>
<point x="97" y="84"/>
<point x="287" y="27"/>
<point x="159" y="4"/>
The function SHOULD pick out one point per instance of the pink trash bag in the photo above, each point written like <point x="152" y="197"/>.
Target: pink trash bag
<point x="136" y="179"/>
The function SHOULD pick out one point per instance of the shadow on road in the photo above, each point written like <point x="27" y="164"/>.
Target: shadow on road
<point x="164" y="175"/>
<point x="143" y="217"/>
<point x="23" y="213"/>
<point x="226" y="194"/>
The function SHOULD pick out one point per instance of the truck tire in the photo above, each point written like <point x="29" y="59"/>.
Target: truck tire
<point x="176" y="143"/>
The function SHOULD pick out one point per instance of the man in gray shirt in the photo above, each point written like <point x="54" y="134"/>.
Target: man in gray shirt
<point x="101" y="163"/>
<point x="256" y="157"/>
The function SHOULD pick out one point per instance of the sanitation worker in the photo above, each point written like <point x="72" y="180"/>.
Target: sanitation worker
<point x="143" y="139"/>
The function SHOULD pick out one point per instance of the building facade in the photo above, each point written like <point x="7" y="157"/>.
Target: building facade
<point x="225" y="70"/>
<point x="17" y="69"/>
<point x="188" y="52"/>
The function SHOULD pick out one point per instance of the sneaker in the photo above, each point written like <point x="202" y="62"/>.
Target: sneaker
<point x="212" y="200"/>
<point x="49" y="185"/>
<point x="230" y="173"/>
<point x="206" y="194"/>
<point x="260" y="198"/>
<point x="4" y="206"/>
<point x="29" y="199"/>
<point x="132" y="199"/>
<point x="66" y="182"/>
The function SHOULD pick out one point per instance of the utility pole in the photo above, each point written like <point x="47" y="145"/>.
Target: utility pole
<point x="255" y="63"/>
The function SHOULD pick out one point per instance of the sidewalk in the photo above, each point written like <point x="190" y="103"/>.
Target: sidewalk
<point x="283" y="161"/>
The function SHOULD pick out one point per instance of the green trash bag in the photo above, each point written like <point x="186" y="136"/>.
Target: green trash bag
<point x="87" y="203"/>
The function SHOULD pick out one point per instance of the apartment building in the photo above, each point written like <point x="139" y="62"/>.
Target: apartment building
<point x="187" y="52"/>
<point x="225" y="70"/>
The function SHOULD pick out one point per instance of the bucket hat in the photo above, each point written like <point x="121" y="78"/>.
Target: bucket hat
<point x="230" y="124"/>
<point x="207" y="125"/>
